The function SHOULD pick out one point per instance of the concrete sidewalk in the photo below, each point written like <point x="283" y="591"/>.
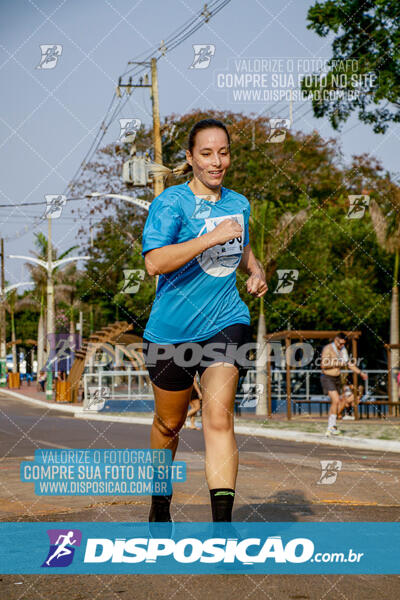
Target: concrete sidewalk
<point x="33" y="396"/>
<point x="243" y="425"/>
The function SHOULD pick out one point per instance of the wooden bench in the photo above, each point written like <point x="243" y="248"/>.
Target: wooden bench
<point x="379" y="408"/>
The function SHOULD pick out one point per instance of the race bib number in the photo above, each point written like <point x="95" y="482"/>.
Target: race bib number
<point x="230" y="247"/>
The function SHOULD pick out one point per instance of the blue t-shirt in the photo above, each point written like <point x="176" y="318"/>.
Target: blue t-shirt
<point x="199" y="299"/>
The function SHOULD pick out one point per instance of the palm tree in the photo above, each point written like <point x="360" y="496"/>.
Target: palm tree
<point x="385" y="220"/>
<point x="39" y="276"/>
<point x="66" y="286"/>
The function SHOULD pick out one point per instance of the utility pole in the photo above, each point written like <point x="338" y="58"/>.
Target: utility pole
<point x="158" y="182"/>
<point x="3" y="360"/>
<point x="158" y="186"/>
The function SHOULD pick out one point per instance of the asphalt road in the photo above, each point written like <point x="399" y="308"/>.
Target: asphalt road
<point x="278" y="481"/>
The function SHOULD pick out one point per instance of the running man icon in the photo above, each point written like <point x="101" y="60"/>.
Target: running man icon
<point x="287" y="279"/>
<point x="61" y="550"/>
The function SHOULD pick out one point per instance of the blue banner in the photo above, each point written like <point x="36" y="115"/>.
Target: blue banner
<point x="200" y="548"/>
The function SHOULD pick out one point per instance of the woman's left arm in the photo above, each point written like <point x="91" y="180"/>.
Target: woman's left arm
<point x="256" y="283"/>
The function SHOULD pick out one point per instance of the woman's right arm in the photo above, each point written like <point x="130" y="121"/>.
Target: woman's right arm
<point x="172" y="257"/>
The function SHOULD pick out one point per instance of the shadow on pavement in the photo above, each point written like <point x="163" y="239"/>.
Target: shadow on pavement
<point x="287" y="505"/>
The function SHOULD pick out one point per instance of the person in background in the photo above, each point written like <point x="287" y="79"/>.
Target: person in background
<point x="334" y="358"/>
<point x="42" y="379"/>
<point x="347" y="401"/>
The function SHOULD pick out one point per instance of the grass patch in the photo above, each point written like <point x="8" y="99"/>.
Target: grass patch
<point x="382" y="430"/>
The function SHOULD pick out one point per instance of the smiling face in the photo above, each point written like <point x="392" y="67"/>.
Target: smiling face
<point x="210" y="157"/>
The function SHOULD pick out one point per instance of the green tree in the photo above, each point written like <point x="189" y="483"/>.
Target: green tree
<point x="367" y="36"/>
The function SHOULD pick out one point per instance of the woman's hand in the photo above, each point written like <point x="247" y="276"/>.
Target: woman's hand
<point x="227" y="230"/>
<point x="256" y="285"/>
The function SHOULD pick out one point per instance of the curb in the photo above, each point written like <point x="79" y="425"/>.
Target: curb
<point x="59" y="406"/>
<point x="87" y="414"/>
<point x="319" y="438"/>
<point x="274" y="434"/>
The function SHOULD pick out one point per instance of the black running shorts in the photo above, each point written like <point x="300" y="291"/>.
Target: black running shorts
<point x="177" y="369"/>
<point x="330" y="383"/>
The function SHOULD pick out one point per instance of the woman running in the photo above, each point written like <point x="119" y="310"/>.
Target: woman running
<point x="195" y="237"/>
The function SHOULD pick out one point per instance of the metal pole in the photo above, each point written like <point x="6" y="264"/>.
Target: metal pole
<point x="80" y="328"/>
<point x="288" y="385"/>
<point x="158" y="186"/>
<point x="50" y="311"/>
<point x="158" y="180"/>
<point x="389" y="362"/>
<point x="3" y="361"/>
<point x="355" y="378"/>
<point x="269" y="390"/>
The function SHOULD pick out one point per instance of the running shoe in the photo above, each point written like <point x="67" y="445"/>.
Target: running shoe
<point x="348" y="418"/>
<point x="332" y="431"/>
<point x="160" y="509"/>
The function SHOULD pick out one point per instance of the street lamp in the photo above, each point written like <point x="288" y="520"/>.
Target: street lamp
<point x="138" y="201"/>
<point x="50" y="265"/>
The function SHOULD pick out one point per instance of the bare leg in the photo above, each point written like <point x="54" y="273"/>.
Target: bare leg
<point x="169" y="415"/>
<point x="343" y="403"/>
<point x="333" y="411"/>
<point x="218" y="383"/>
<point x="335" y="403"/>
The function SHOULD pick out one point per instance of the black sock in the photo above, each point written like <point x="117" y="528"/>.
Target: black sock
<point x="222" y="504"/>
<point x="159" y="510"/>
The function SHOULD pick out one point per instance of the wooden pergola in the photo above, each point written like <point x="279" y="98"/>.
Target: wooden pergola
<point x="293" y="334"/>
<point x="22" y="343"/>
<point x="115" y="334"/>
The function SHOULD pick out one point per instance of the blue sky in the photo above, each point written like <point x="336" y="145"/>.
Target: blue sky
<point x="49" y="117"/>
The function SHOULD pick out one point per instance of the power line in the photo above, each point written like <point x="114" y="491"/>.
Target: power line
<point x="36" y="203"/>
<point x="175" y="39"/>
<point x="182" y="33"/>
